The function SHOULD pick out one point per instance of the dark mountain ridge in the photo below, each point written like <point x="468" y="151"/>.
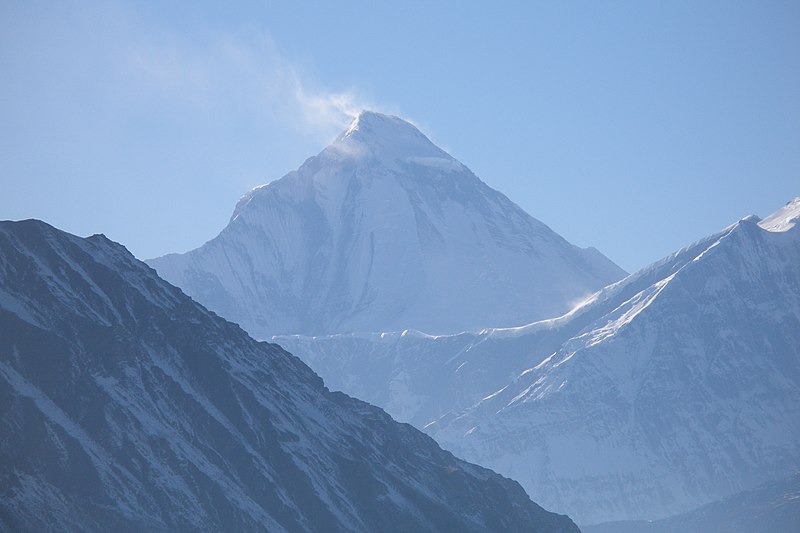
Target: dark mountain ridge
<point x="126" y="406"/>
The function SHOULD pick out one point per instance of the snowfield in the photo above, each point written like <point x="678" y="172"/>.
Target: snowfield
<point x="674" y="387"/>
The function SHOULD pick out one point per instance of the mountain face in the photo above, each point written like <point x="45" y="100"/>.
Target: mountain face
<point x="126" y="406"/>
<point x="419" y="378"/>
<point x="677" y="386"/>
<point x="773" y="507"/>
<point x="384" y="231"/>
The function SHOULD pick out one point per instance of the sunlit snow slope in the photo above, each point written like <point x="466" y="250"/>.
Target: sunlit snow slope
<point x="384" y="231"/>
<point x="677" y="386"/>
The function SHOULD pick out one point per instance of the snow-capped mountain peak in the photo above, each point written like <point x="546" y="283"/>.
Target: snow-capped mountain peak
<point x="384" y="231"/>
<point x="388" y="139"/>
<point x="784" y="218"/>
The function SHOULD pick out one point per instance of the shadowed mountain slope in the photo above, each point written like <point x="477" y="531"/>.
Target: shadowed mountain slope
<point x="126" y="406"/>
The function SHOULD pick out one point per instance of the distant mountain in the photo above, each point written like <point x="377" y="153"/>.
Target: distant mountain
<point x="126" y="406"/>
<point x="384" y="231"/>
<point x="678" y="386"/>
<point x="770" y="508"/>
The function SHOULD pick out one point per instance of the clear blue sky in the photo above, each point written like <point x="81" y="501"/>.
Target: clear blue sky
<point x="635" y="127"/>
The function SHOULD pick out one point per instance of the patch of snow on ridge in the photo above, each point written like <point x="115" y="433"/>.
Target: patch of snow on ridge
<point x="440" y="163"/>
<point x="784" y="218"/>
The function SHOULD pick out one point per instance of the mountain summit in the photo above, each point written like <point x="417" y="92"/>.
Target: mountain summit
<point x="387" y="137"/>
<point x="380" y="231"/>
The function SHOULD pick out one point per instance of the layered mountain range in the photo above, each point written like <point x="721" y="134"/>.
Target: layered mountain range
<point x="392" y="263"/>
<point x="127" y="406"/>
<point x="674" y="387"/>
<point x="667" y="400"/>
<point x="384" y="231"/>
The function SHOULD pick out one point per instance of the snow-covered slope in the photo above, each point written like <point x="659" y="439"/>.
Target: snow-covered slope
<point x="384" y="231"/>
<point x="784" y="218"/>
<point x="416" y="377"/>
<point x="126" y="406"/>
<point x="677" y="386"/>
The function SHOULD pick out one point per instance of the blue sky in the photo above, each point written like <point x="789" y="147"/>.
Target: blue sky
<point x="635" y="127"/>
